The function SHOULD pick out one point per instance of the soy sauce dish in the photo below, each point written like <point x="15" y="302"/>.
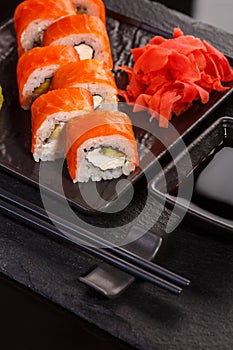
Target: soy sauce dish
<point x="210" y="177"/>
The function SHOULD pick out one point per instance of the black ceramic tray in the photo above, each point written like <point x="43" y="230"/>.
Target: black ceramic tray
<point x="209" y="177"/>
<point x="15" y="129"/>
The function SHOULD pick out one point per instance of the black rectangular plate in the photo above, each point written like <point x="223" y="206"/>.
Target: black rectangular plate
<point x="15" y="128"/>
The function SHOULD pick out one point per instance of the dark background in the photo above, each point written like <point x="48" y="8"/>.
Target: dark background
<point x="185" y="6"/>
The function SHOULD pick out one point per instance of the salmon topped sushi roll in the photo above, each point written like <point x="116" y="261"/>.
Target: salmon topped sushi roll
<point x="93" y="75"/>
<point x="90" y="7"/>
<point x="100" y="145"/>
<point x="50" y="113"/>
<point x="36" y="67"/>
<point x="32" y="17"/>
<point x="86" y="33"/>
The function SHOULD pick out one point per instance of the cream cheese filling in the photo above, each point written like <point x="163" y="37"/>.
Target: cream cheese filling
<point x="97" y="99"/>
<point x="55" y="142"/>
<point x="85" y="51"/>
<point x="106" y="158"/>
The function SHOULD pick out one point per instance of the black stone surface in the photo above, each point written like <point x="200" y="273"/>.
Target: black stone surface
<point x="144" y="316"/>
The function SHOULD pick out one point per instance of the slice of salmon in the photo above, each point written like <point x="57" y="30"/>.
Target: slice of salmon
<point x="81" y="29"/>
<point x="94" y="125"/>
<point x="83" y="72"/>
<point x="41" y="58"/>
<point x="57" y="102"/>
<point x="35" y="12"/>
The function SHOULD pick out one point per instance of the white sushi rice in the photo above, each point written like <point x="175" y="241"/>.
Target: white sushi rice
<point x="34" y="81"/>
<point x="91" y="40"/>
<point x="49" y="150"/>
<point x="34" y="33"/>
<point x="87" y="171"/>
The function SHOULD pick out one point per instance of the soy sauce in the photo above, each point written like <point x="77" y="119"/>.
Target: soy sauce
<point x="213" y="186"/>
<point x="213" y="182"/>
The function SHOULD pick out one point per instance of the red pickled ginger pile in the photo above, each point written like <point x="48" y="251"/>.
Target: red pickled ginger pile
<point x="170" y="74"/>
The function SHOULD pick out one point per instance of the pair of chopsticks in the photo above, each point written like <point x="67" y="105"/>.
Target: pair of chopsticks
<point x="36" y="217"/>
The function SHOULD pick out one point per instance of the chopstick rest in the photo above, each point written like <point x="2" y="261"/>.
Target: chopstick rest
<point x="110" y="281"/>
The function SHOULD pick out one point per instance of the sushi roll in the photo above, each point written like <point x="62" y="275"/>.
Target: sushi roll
<point x="93" y="75"/>
<point x="35" y="70"/>
<point x="90" y="7"/>
<point x="86" y="33"/>
<point x="50" y="113"/>
<point x="100" y="145"/>
<point x="32" y="17"/>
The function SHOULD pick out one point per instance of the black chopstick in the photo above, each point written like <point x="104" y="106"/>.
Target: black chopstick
<point x="32" y="220"/>
<point x="33" y="212"/>
<point x="93" y="239"/>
